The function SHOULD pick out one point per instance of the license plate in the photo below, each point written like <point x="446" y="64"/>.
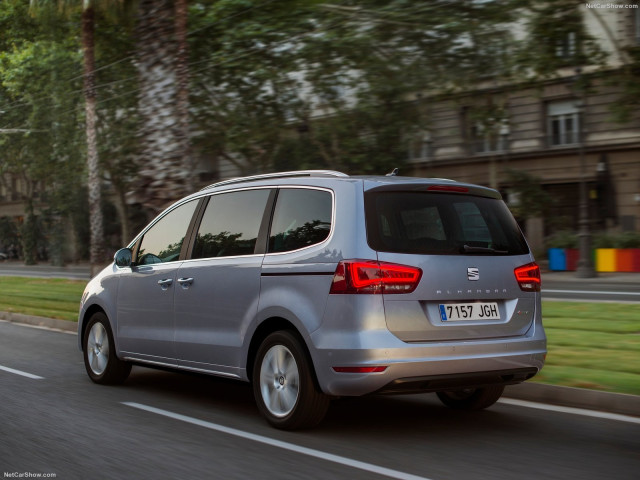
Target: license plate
<point x="455" y="312"/>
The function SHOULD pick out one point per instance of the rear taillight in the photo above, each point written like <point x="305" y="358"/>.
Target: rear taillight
<point x="528" y="277"/>
<point x="368" y="276"/>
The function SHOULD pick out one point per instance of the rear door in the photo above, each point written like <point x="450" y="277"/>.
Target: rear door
<point x="468" y="247"/>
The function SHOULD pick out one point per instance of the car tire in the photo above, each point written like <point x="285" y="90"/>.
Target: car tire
<point x="284" y="384"/>
<point x="471" y="398"/>
<point x="100" y="360"/>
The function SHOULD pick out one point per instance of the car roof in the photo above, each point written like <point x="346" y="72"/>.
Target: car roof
<point x="378" y="182"/>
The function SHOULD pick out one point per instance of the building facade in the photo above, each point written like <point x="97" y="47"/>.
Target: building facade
<point x="555" y="131"/>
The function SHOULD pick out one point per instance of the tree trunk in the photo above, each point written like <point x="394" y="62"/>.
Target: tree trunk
<point x="164" y="174"/>
<point x="96" y="224"/>
<point x="182" y="104"/>
<point x="123" y="213"/>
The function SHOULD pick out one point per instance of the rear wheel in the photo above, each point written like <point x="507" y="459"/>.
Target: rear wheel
<point x="471" y="398"/>
<point x="100" y="360"/>
<point x="284" y="386"/>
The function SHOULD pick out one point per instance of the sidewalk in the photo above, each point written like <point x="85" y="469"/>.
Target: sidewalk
<point x="602" y="277"/>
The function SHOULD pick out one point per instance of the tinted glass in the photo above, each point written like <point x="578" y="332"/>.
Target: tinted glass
<point x="230" y="224"/>
<point x="447" y="224"/>
<point x="302" y="217"/>
<point x="163" y="242"/>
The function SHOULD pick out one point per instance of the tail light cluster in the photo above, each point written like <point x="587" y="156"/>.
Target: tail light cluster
<point x="528" y="277"/>
<point x="368" y="276"/>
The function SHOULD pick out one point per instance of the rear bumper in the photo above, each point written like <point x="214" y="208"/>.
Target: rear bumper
<point x="435" y="383"/>
<point x="430" y="367"/>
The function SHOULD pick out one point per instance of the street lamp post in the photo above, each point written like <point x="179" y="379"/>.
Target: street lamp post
<point x="585" y="262"/>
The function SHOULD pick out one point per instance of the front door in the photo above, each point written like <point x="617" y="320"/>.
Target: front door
<point x="146" y="290"/>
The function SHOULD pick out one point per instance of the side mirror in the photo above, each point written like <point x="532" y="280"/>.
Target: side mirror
<point x="123" y="258"/>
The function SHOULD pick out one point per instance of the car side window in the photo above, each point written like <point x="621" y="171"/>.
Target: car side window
<point x="163" y="241"/>
<point x="230" y="224"/>
<point x="302" y="217"/>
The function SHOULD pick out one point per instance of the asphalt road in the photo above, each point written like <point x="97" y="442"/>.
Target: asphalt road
<point x="593" y="290"/>
<point x="165" y="425"/>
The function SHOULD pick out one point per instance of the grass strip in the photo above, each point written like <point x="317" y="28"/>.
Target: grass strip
<point x="42" y="297"/>
<point x="592" y="345"/>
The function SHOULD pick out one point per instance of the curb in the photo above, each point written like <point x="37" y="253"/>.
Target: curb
<point x="54" y="323"/>
<point x="534" y="392"/>
<point x="619" y="403"/>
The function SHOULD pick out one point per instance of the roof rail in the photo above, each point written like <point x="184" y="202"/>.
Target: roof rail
<point x="264" y="176"/>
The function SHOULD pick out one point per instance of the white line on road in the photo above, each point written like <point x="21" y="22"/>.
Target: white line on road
<point x="368" y="467"/>
<point x="589" y="292"/>
<point x="18" y="372"/>
<point x="574" y="411"/>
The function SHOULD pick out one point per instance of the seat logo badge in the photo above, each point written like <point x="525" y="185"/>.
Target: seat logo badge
<point x="473" y="274"/>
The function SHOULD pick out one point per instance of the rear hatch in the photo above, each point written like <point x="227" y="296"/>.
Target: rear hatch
<point x="468" y="247"/>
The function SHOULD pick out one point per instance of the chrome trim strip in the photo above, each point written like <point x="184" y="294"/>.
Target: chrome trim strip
<point x="173" y="366"/>
<point x="267" y="176"/>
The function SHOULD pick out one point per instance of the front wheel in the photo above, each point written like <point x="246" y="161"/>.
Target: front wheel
<point x="284" y="386"/>
<point x="471" y="398"/>
<point x="100" y="360"/>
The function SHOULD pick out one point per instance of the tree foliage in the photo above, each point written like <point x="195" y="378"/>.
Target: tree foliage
<point x="280" y="84"/>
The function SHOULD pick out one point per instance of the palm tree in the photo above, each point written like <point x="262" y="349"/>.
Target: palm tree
<point x="161" y="59"/>
<point x="96" y="221"/>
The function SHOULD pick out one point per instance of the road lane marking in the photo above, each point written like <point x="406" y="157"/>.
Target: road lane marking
<point x="21" y="373"/>
<point x="572" y="410"/>
<point x="589" y="292"/>
<point x="367" y="467"/>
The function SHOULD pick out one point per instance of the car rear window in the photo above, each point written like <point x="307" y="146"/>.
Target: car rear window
<point x="441" y="224"/>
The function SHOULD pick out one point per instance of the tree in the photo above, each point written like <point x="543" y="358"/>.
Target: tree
<point x="36" y="58"/>
<point x="529" y="198"/>
<point x="336" y="84"/>
<point x="165" y="168"/>
<point x="97" y="254"/>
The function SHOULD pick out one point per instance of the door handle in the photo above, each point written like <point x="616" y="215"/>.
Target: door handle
<point x="185" y="282"/>
<point x="166" y="283"/>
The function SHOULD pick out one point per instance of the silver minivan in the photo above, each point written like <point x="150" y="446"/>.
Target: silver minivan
<point x="314" y="285"/>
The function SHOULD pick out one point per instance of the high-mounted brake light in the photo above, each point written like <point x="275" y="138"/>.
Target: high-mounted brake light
<point x="368" y="276"/>
<point x="528" y="277"/>
<point x="448" y="188"/>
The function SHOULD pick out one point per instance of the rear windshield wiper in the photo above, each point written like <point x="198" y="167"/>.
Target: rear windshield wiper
<point x="470" y="249"/>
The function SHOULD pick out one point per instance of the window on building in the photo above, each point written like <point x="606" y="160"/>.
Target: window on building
<point x="566" y="45"/>
<point x="563" y="123"/>
<point x="490" y="136"/>
<point x="420" y="147"/>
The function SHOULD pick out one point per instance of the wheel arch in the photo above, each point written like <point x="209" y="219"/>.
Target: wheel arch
<point x="266" y="328"/>
<point x="95" y="308"/>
